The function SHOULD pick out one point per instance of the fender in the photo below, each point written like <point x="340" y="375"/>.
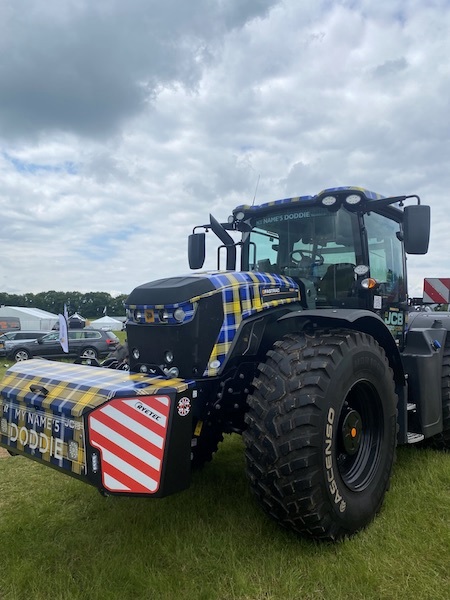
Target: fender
<point x="370" y="323"/>
<point x="360" y="320"/>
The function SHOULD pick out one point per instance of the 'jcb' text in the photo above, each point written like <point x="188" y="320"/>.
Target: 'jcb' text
<point x="393" y="318"/>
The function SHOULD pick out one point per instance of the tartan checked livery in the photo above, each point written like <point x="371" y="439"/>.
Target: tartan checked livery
<point x="303" y="344"/>
<point x="106" y="427"/>
<point x="242" y="296"/>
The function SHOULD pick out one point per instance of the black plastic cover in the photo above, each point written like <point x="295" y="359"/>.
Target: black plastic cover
<point x="170" y="290"/>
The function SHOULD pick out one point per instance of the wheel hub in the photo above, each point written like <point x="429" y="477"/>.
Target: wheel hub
<point x="351" y="432"/>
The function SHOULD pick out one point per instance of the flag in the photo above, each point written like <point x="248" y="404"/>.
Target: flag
<point x="63" y="331"/>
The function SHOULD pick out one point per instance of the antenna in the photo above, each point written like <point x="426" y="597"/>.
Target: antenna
<point x="256" y="189"/>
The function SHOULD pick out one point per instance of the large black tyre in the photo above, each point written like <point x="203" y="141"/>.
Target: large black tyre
<point x="441" y="441"/>
<point x="322" y="429"/>
<point x="205" y="447"/>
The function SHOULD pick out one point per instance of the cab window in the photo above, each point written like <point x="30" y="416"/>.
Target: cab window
<point x="385" y="257"/>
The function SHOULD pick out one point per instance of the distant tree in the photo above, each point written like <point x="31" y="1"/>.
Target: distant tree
<point x="442" y="307"/>
<point x="91" y="305"/>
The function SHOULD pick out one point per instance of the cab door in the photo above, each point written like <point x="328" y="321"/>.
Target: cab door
<point x="387" y="268"/>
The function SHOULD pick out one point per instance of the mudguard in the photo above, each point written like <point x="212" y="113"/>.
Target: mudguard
<point x="123" y="433"/>
<point x="361" y="320"/>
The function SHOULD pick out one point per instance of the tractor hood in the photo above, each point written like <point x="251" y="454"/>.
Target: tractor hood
<point x="195" y="319"/>
<point x="173" y="291"/>
<point x="170" y="290"/>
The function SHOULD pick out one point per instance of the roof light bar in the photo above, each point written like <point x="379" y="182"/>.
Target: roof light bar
<point x="329" y="201"/>
<point x="353" y="199"/>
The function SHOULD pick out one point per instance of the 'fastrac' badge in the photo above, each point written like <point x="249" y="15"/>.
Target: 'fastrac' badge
<point x="184" y="406"/>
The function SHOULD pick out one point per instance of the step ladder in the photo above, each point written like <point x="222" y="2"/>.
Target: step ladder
<point x="413" y="438"/>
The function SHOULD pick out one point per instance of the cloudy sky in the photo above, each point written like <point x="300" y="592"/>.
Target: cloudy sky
<point x="123" y="124"/>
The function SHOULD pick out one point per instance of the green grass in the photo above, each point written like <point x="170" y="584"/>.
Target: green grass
<point x="60" y="539"/>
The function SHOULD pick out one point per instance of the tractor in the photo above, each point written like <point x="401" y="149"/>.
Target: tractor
<point x="302" y="340"/>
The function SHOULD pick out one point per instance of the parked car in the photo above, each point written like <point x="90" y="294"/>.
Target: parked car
<point x="11" y="339"/>
<point x="86" y="343"/>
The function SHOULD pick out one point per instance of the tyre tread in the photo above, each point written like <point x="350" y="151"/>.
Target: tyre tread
<point x="283" y="440"/>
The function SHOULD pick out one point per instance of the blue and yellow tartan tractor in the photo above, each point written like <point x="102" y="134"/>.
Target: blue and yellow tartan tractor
<point x="307" y="348"/>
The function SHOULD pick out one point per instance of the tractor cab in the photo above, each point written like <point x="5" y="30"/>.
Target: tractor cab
<point x="344" y="248"/>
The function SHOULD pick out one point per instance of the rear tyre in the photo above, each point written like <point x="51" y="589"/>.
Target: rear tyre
<point x="21" y="354"/>
<point x="89" y="353"/>
<point x="441" y="441"/>
<point x="321" y="434"/>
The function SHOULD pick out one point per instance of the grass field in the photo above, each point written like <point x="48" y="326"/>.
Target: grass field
<point x="60" y="539"/>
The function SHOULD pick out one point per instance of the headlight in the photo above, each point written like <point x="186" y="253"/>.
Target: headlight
<point x="353" y="199"/>
<point x="72" y="450"/>
<point x="168" y="356"/>
<point x="95" y="461"/>
<point x="361" y="269"/>
<point x="179" y="315"/>
<point x="163" y="316"/>
<point x="329" y="200"/>
<point x="136" y="353"/>
<point x="369" y="283"/>
<point x="138" y="315"/>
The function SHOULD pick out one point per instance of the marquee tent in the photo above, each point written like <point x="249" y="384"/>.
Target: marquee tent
<point x="30" y="318"/>
<point x="107" y="323"/>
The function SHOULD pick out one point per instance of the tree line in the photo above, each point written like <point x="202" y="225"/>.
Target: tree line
<point x="90" y="305"/>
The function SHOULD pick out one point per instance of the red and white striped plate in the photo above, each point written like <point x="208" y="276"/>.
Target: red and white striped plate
<point x="130" y="434"/>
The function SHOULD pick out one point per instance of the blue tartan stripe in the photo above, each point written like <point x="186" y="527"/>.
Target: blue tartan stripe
<point x="242" y="296"/>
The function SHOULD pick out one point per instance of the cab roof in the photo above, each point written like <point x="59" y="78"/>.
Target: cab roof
<point x="307" y="199"/>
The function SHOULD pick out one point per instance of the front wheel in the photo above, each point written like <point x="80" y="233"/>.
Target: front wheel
<point x="205" y="446"/>
<point x="21" y="354"/>
<point x="321" y="434"/>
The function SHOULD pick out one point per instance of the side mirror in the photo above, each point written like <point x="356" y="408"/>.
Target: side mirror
<point x="416" y="228"/>
<point x="196" y="250"/>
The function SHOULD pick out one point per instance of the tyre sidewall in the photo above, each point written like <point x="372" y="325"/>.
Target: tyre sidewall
<point x="362" y="363"/>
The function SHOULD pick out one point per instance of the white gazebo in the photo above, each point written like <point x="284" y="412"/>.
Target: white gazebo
<point x="31" y="318"/>
<point x="107" y="323"/>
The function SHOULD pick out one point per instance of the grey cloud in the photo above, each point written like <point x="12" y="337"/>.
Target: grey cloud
<point x="85" y="67"/>
<point x="391" y="67"/>
<point x="212" y="100"/>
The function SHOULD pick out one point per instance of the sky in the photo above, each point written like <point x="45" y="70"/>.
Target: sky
<point x="124" y="124"/>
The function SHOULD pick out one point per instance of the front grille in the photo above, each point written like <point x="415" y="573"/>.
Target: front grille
<point x="191" y="343"/>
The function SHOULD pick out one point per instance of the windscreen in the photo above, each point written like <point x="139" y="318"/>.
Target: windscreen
<point x="311" y="243"/>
